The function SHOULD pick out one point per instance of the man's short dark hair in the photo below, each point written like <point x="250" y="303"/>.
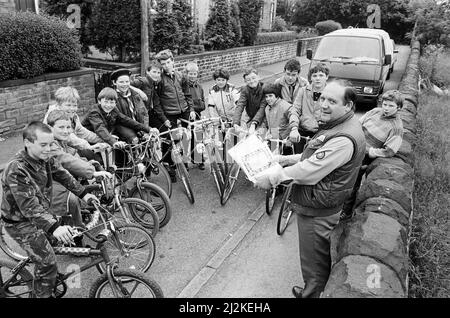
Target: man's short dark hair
<point x="29" y="132"/>
<point x="164" y="55"/>
<point x="293" y="65"/>
<point x="154" y="64"/>
<point x="321" y="67"/>
<point x="249" y="71"/>
<point x="56" y="115"/>
<point x="349" y="93"/>
<point x="271" y="88"/>
<point x="221" y="73"/>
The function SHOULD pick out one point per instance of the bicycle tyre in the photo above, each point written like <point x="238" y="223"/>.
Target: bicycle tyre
<point x="184" y="176"/>
<point x="143" y="213"/>
<point x="270" y="200"/>
<point x="10" y="246"/>
<point x="157" y="198"/>
<point x="25" y="280"/>
<point x="285" y="207"/>
<point x="99" y="285"/>
<point x="218" y="177"/>
<point x="159" y="176"/>
<point x="126" y="257"/>
<point x="229" y="183"/>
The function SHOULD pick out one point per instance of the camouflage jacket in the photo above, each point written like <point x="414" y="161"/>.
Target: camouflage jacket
<point x="27" y="190"/>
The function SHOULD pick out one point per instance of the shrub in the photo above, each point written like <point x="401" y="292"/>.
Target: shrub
<point x="218" y="29"/>
<point x="182" y="11"/>
<point x="279" y="25"/>
<point x="250" y="14"/>
<point x="272" y="37"/>
<point x="324" y="27"/>
<point x="167" y="33"/>
<point x="34" y="44"/>
<point x="235" y="24"/>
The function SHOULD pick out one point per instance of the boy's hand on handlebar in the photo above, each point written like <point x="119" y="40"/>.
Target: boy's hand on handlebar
<point x="192" y="115"/>
<point x="104" y="174"/>
<point x="294" y="136"/>
<point x="64" y="234"/>
<point x="119" y="144"/>
<point x="89" y="197"/>
<point x="168" y="124"/>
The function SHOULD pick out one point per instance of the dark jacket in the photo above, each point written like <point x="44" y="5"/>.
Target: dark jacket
<point x="328" y="195"/>
<point x="103" y="124"/>
<point x="27" y="190"/>
<point x="198" y="96"/>
<point x="254" y="103"/>
<point x="140" y="112"/>
<point x="174" y="96"/>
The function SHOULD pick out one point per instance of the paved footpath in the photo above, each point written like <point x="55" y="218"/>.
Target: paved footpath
<point x="11" y="144"/>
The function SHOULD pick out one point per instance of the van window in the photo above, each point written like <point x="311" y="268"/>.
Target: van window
<point x="350" y="47"/>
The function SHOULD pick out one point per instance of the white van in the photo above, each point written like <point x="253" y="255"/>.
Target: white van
<point x="365" y="57"/>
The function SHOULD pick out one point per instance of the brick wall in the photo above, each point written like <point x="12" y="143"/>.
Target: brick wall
<point x="7" y="6"/>
<point x="22" y="101"/>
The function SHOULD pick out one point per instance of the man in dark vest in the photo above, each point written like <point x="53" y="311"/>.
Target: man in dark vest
<point x="323" y="176"/>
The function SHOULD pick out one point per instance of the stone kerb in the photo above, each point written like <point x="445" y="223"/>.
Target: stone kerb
<point x="369" y="252"/>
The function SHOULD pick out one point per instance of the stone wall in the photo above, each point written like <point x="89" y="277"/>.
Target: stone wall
<point x="7" y="6"/>
<point x="22" y="101"/>
<point x="370" y="252"/>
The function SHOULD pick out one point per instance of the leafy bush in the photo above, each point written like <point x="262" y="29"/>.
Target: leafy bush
<point x="250" y="14"/>
<point x="324" y="27"/>
<point x="235" y="24"/>
<point x="433" y="23"/>
<point x="34" y="44"/>
<point x="272" y="37"/>
<point x="279" y="25"/>
<point x="182" y="11"/>
<point x="218" y="29"/>
<point x="167" y="33"/>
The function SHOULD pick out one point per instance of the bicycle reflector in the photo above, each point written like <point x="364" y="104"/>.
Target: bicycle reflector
<point x="200" y="147"/>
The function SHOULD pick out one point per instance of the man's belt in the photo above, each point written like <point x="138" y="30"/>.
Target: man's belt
<point x="9" y="221"/>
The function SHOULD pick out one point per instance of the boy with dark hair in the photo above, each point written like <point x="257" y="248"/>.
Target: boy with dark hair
<point x="290" y="83"/>
<point x="222" y="96"/>
<point x="251" y="104"/>
<point x="383" y="130"/>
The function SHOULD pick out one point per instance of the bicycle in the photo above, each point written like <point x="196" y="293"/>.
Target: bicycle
<point x="130" y="244"/>
<point x="16" y="281"/>
<point x="210" y="144"/>
<point x="176" y="151"/>
<point x="133" y="183"/>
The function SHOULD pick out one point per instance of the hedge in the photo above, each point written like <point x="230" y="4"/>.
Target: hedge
<point x="272" y="37"/>
<point x="32" y="45"/>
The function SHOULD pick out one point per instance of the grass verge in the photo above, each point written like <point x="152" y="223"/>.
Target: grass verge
<point x="430" y="237"/>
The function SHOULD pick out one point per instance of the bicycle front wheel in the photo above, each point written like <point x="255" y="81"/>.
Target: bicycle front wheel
<point x="285" y="213"/>
<point x="125" y="284"/>
<point x="18" y="285"/>
<point x="218" y="177"/>
<point x="184" y="176"/>
<point x="131" y="247"/>
<point x="10" y="246"/>
<point x="229" y="183"/>
<point x="270" y="200"/>
<point x="143" y="213"/>
<point x="157" y="198"/>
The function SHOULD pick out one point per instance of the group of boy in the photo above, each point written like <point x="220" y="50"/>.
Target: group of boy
<point x="289" y="108"/>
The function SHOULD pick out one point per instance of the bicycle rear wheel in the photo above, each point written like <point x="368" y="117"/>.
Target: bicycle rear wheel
<point x="184" y="176"/>
<point x="127" y="284"/>
<point x="157" y="173"/>
<point x="270" y="200"/>
<point x="10" y="246"/>
<point x="131" y="247"/>
<point x="143" y="213"/>
<point x="156" y="197"/>
<point x="229" y="183"/>
<point x="285" y="213"/>
<point x="19" y="285"/>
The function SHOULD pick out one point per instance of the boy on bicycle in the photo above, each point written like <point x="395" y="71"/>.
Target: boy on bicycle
<point x="383" y="129"/>
<point x="27" y="195"/>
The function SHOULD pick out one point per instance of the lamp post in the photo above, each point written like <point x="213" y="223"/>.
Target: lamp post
<point x="146" y="20"/>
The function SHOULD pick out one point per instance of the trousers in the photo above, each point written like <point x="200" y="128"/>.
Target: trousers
<point x="314" y="245"/>
<point x="39" y="250"/>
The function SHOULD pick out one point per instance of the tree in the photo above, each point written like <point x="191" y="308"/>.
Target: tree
<point x="250" y="15"/>
<point x="433" y="22"/>
<point x="324" y="27"/>
<point x="236" y="23"/>
<point x="285" y="9"/>
<point x="115" y="27"/>
<point x="167" y="33"/>
<point x="279" y="24"/>
<point x="396" y="16"/>
<point x="218" y="29"/>
<point x="182" y="11"/>
<point x="59" y="8"/>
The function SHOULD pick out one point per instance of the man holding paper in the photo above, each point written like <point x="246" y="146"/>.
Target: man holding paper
<point x="323" y="176"/>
